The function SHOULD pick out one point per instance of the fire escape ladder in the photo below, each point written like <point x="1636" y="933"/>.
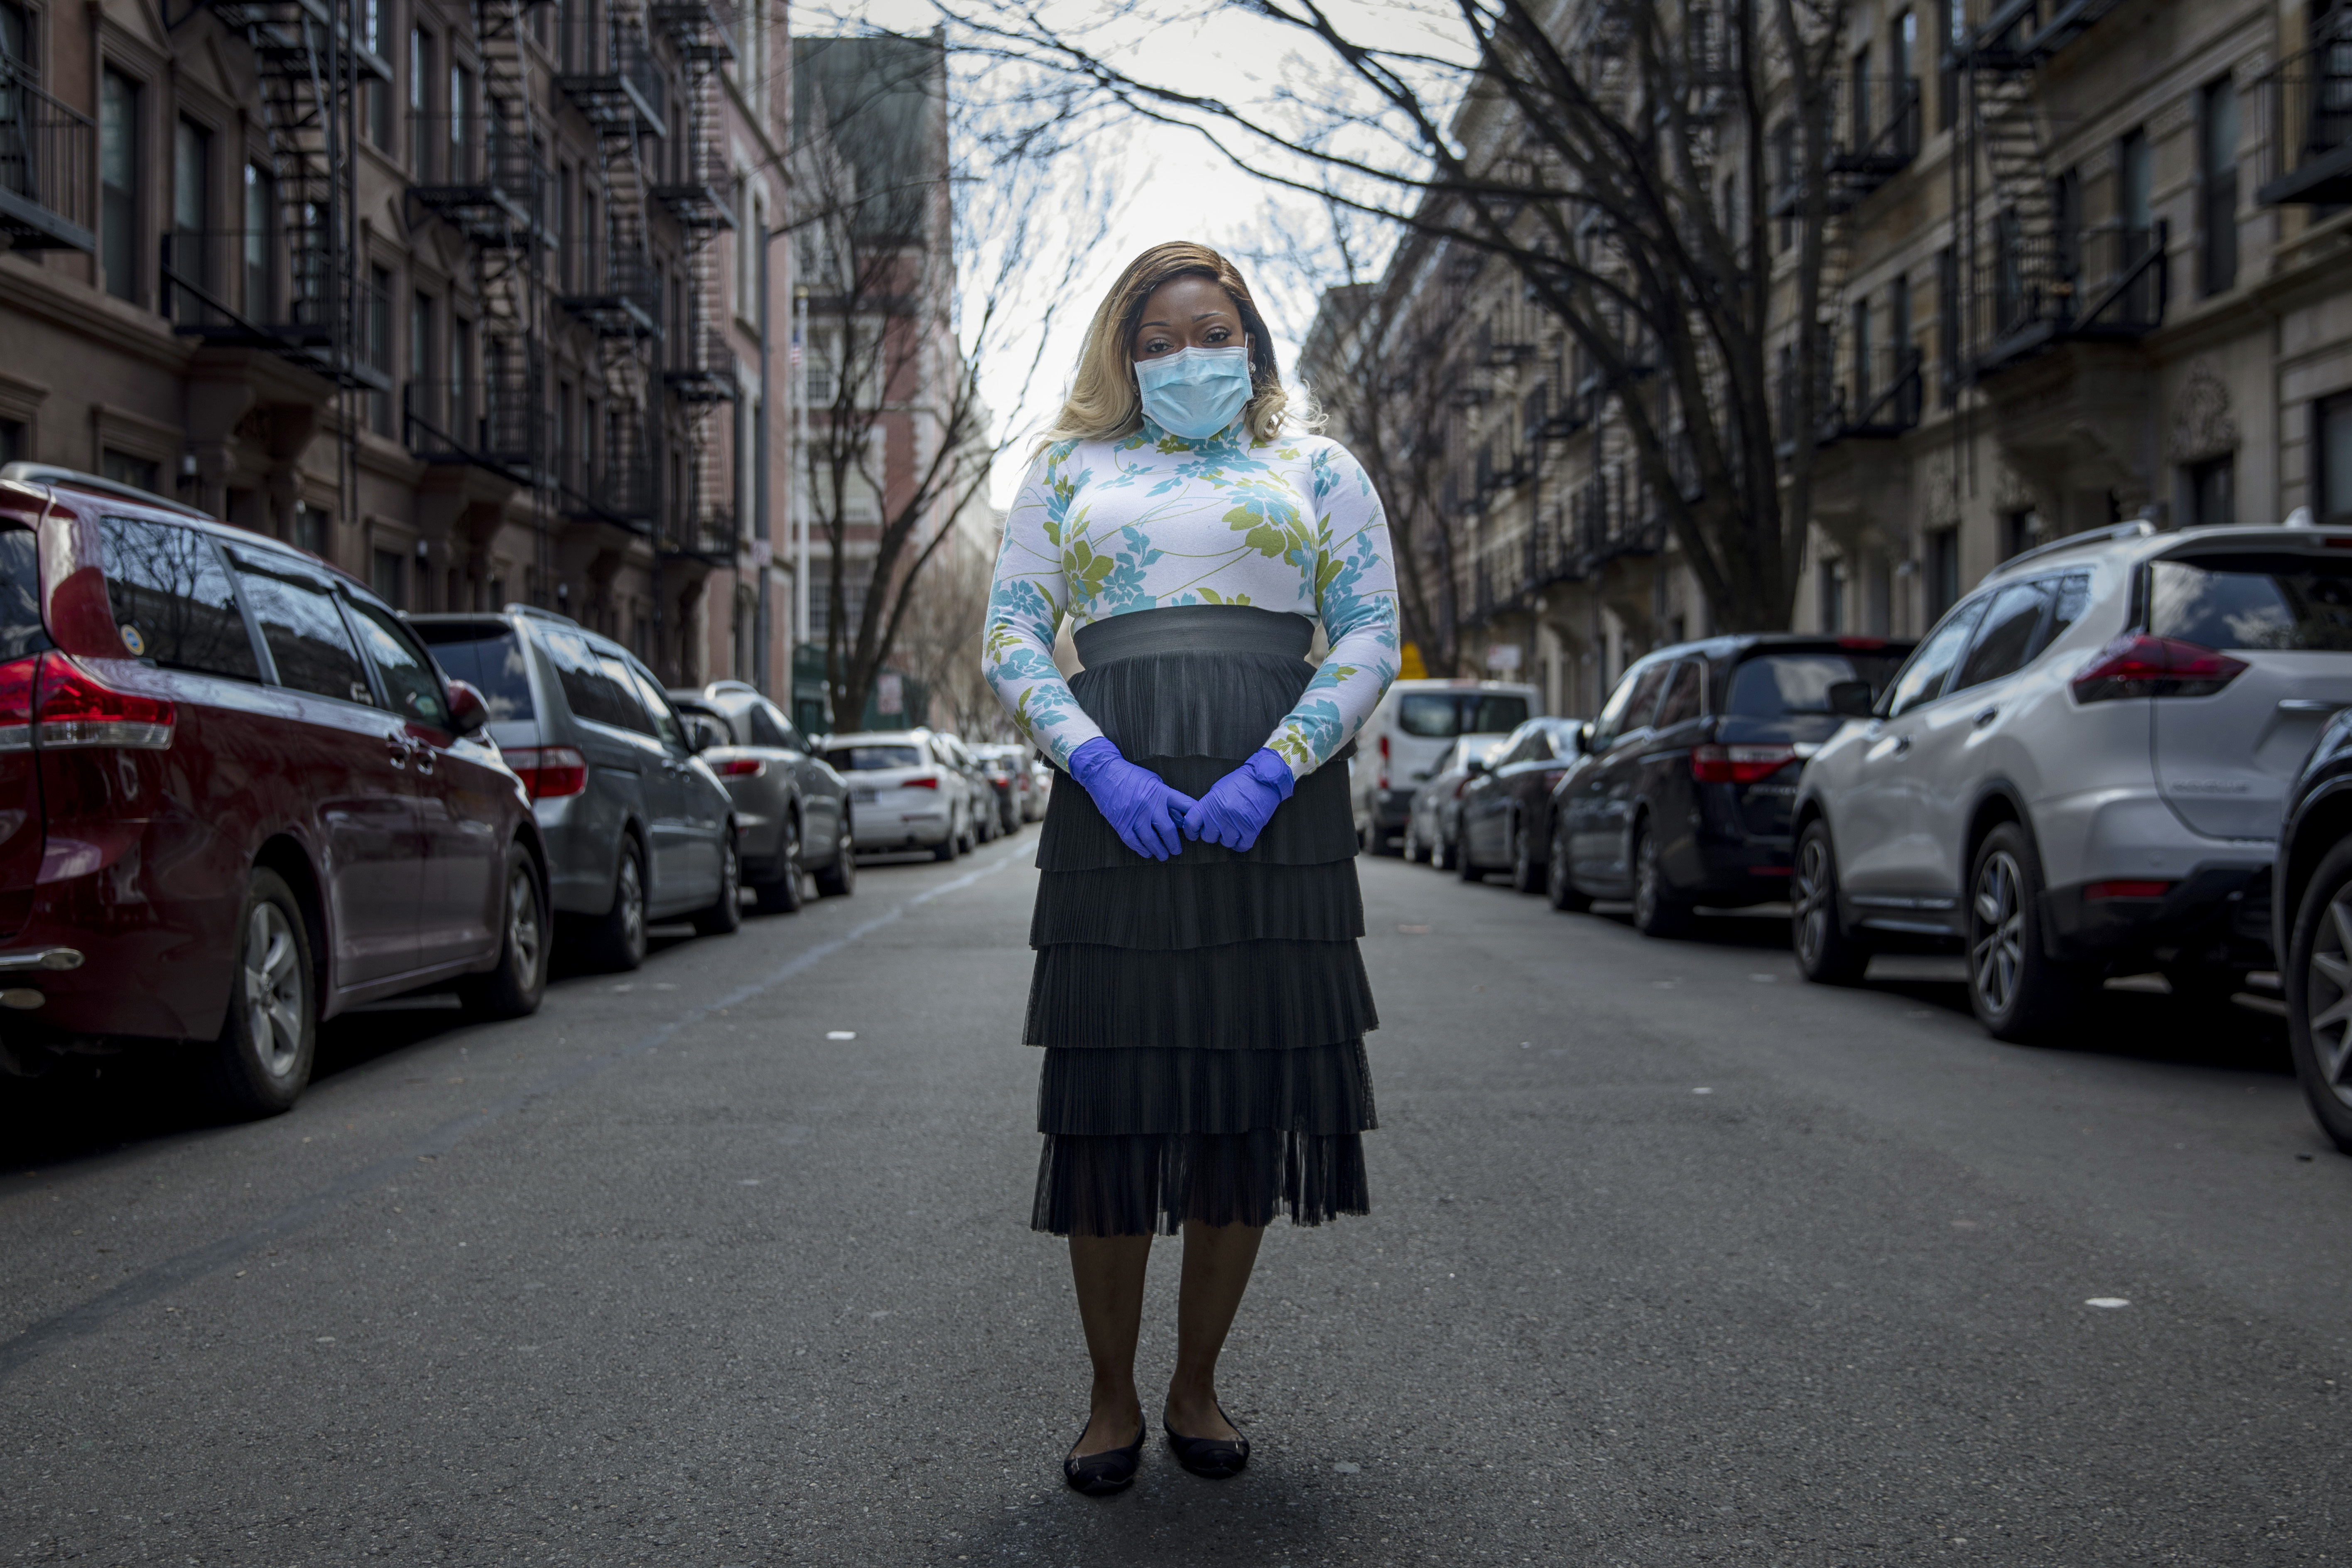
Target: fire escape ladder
<point x="699" y="367"/>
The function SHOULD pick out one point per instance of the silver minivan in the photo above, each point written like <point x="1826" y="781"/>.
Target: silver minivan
<point x="637" y="828"/>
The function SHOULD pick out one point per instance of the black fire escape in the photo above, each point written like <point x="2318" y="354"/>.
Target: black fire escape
<point x="698" y="369"/>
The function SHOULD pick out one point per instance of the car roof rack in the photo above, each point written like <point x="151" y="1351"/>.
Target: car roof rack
<point x="2139" y="529"/>
<point x="51" y="474"/>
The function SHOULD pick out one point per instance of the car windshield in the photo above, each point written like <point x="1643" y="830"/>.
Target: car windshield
<point x="872" y="759"/>
<point x="1442" y="715"/>
<point x="20" y="595"/>
<point x="488" y="658"/>
<point x="1776" y="685"/>
<point x="2284" y="602"/>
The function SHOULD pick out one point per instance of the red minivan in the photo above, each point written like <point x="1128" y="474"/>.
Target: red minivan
<point x="236" y="796"/>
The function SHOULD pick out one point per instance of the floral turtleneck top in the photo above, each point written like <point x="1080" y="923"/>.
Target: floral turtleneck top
<point x="1148" y="521"/>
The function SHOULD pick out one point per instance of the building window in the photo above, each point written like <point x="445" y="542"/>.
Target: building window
<point x="192" y="157"/>
<point x="461" y="108"/>
<point x="311" y="529"/>
<point x="2135" y="181"/>
<point x="1832" y="590"/>
<point x="388" y="575"/>
<point x="2331" y="432"/>
<point x="124" y="469"/>
<point x="1954" y="33"/>
<point x="375" y="347"/>
<point x="377" y="98"/>
<point x="14" y="447"/>
<point x="1861" y="408"/>
<point x="261" y="299"/>
<point x="2211" y="486"/>
<point x="1943" y="572"/>
<point x="2020" y="531"/>
<point x="419" y="400"/>
<point x="118" y="179"/>
<point x="420" y="129"/>
<point x="2217" y="142"/>
<point x="1947" y="324"/>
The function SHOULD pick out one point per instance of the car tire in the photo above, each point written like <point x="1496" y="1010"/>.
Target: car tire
<point x="2018" y="991"/>
<point x="1412" y="845"/>
<point x="1527" y="872"/>
<point x="1464" y="866"/>
<point x="1826" y="954"/>
<point x="781" y="895"/>
<point x="945" y="849"/>
<point x="1656" y="911"/>
<point x="2318" y="982"/>
<point x="725" y="915"/>
<point x="617" y="943"/>
<point x="513" y="990"/>
<point x="839" y="879"/>
<point x="1447" y="856"/>
<point x="262" y="1060"/>
<point x="1559" y="880"/>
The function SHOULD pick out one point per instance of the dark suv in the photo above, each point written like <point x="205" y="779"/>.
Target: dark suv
<point x="236" y="795"/>
<point x="1686" y="783"/>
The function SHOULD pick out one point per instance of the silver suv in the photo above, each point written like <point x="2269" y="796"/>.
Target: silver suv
<point x="2079" y="773"/>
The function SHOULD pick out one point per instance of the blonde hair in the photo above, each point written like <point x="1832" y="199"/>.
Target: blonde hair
<point x="1105" y="403"/>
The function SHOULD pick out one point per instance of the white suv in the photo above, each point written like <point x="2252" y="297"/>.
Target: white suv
<point x="2079" y="773"/>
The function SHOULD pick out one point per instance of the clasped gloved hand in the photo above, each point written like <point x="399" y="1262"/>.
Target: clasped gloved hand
<point x="1142" y="810"/>
<point x="1238" y="807"/>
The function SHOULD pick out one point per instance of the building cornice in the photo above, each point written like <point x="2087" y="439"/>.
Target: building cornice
<point x="80" y="309"/>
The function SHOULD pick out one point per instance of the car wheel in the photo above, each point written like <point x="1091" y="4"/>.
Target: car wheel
<point x="782" y="896"/>
<point x="1656" y="910"/>
<point x="263" y="1058"/>
<point x="945" y="849"/>
<point x="726" y="911"/>
<point x="1527" y="871"/>
<point x="2018" y="991"/>
<point x="1447" y="855"/>
<point x="840" y="879"/>
<point x="1826" y="955"/>
<point x="1412" y="844"/>
<point x="618" y="941"/>
<point x="513" y="989"/>
<point x="2319" y="996"/>
<point x="1461" y="863"/>
<point x="1560" y="882"/>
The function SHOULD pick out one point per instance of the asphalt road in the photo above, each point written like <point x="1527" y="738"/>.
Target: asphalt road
<point x="1673" y="1259"/>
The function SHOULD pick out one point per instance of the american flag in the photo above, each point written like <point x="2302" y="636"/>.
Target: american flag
<point x="796" y="349"/>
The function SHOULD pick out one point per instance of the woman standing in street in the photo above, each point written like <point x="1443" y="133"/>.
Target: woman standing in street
<point x="1197" y="990"/>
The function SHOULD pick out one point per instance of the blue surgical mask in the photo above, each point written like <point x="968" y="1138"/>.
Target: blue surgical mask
<point x="1194" y="393"/>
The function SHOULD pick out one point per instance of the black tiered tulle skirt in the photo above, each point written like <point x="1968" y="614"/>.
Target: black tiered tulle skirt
<point x="1204" y="1018"/>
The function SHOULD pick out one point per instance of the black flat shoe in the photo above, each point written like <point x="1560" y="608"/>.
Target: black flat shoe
<point x="1112" y="1471"/>
<point x="1212" y="1458"/>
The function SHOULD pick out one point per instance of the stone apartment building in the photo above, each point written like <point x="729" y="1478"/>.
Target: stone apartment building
<point x="2087" y="262"/>
<point x="462" y="298"/>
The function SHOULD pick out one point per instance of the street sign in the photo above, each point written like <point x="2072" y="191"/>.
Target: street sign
<point x="1503" y="656"/>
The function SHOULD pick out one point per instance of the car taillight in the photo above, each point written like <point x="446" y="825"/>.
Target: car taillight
<point x="16" y="703"/>
<point x="1384" y="762"/>
<point x="929" y="781"/>
<point x="72" y="708"/>
<point x="2137" y="665"/>
<point x="549" y="772"/>
<point x="1738" y="765"/>
<point x="2099" y="892"/>
<point x="741" y="768"/>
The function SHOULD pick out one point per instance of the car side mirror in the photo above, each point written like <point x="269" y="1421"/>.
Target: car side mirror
<point x="467" y="711"/>
<point x="1584" y="738"/>
<point x="1474" y="766"/>
<point x="1851" y="698"/>
<point x="701" y="734"/>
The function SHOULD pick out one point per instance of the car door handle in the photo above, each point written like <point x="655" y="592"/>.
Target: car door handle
<point x="2309" y="705"/>
<point x="1986" y="716"/>
<point x="397" y="753"/>
<point x="424" y="758"/>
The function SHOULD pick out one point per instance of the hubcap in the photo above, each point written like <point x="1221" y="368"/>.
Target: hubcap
<point x="1646" y="878"/>
<point x="2327" y="992"/>
<point x="731" y="874"/>
<point x="273" y="990"/>
<point x="1558" y="862"/>
<point x="1997" y="948"/>
<point x="523" y="925"/>
<point x="1813" y="899"/>
<point x="632" y="902"/>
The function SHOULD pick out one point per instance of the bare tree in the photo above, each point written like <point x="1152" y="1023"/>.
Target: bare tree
<point x="931" y="232"/>
<point x="1631" y="163"/>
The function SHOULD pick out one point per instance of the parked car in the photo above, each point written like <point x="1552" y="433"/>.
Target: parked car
<point x="1430" y="829"/>
<point x="1406" y="740"/>
<point x="637" y="829"/>
<point x="978" y="790"/>
<point x="906" y="790"/>
<point x="1686" y="786"/>
<point x="2081" y="770"/>
<point x="1041" y="780"/>
<point x="242" y="798"/>
<point x="2312" y="926"/>
<point x="1506" y="809"/>
<point x="1007" y="770"/>
<point x="791" y="810"/>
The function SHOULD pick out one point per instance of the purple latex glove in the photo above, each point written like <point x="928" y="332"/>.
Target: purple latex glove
<point x="1238" y="807"/>
<point x="1143" y="811"/>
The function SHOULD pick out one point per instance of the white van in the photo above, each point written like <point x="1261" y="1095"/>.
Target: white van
<point x="1408" y="737"/>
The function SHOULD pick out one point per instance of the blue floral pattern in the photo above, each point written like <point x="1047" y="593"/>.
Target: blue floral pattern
<point x="1106" y="527"/>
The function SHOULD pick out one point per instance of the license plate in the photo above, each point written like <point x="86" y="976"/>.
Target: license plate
<point x="861" y="795"/>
